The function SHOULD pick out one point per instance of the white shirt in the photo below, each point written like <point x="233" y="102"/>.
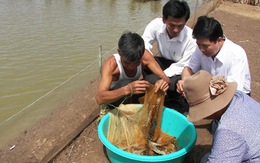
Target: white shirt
<point x="231" y="62"/>
<point x="177" y="49"/>
<point x="123" y="78"/>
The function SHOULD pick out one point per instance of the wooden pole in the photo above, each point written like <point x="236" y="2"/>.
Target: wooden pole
<point x="100" y="58"/>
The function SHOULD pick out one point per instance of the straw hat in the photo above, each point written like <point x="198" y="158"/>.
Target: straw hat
<point x="206" y="94"/>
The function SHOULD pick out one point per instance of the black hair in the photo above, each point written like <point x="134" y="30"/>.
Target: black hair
<point x="176" y="9"/>
<point x="131" y="46"/>
<point x="207" y="27"/>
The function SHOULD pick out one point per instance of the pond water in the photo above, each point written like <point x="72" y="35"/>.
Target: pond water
<point x="50" y="48"/>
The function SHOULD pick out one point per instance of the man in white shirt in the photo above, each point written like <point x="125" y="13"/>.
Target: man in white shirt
<point x="217" y="55"/>
<point x="174" y="41"/>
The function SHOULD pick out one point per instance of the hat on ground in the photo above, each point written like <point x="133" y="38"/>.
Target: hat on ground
<point x="206" y="94"/>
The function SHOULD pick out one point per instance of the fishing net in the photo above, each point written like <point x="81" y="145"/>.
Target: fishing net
<point x="136" y="128"/>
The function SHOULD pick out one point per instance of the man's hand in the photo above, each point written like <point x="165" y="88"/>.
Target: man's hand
<point x="166" y="79"/>
<point x="138" y="86"/>
<point x="162" y="85"/>
<point x="180" y="88"/>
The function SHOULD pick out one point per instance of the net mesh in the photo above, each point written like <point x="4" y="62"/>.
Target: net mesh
<point x="136" y="128"/>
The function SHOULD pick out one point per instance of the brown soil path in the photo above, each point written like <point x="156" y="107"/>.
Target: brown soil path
<point x="241" y="24"/>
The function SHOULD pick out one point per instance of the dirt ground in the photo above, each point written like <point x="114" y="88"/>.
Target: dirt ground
<point x="241" y="24"/>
